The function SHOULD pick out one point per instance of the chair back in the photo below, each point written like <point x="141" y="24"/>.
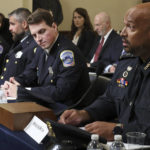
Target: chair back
<point x="97" y="88"/>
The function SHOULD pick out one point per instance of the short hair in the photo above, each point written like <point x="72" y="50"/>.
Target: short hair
<point x="20" y="14"/>
<point x="40" y="15"/>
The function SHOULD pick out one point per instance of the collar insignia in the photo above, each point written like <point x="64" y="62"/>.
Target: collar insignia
<point x="147" y="66"/>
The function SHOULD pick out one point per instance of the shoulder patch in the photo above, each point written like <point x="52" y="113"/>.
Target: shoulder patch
<point x="67" y="58"/>
<point x="1" y="49"/>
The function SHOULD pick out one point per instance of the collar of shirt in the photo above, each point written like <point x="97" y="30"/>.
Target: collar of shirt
<point x="26" y="36"/>
<point x="107" y="35"/>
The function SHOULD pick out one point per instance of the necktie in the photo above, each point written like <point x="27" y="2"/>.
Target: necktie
<point x="99" y="48"/>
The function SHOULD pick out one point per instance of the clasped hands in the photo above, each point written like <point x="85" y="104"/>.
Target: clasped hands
<point x="10" y="87"/>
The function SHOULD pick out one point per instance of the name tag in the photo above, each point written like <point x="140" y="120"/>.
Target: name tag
<point x="36" y="129"/>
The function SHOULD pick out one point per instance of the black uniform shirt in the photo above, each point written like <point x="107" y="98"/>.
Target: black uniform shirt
<point x="127" y="97"/>
<point x="62" y="78"/>
<point x="18" y="58"/>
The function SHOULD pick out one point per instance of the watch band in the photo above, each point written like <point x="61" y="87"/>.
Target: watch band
<point x="118" y="129"/>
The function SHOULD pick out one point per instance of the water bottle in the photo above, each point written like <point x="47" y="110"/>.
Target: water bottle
<point x="94" y="143"/>
<point x="117" y="144"/>
<point x="3" y="98"/>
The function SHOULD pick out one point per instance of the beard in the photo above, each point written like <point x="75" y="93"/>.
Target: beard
<point x="17" y="37"/>
<point x="136" y="51"/>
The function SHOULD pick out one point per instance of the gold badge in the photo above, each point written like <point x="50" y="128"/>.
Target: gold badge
<point x="7" y="60"/>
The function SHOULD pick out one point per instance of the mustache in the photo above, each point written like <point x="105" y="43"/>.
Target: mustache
<point x="125" y="40"/>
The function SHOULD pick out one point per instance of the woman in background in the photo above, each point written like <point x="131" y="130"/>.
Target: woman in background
<point x="82" y="31"/>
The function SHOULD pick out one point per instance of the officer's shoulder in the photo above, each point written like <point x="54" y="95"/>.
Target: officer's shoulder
<point x="67" y="58"/>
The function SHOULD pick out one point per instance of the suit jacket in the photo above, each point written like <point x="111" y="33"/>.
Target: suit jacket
<point x="86" y="41"/>
<point x="110" y="52"/>
<point x="62" y="79"/>
<point x="18" y="58"/>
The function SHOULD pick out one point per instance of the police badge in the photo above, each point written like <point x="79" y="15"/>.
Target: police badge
<point x="19" y="54"/>
<point x="50" y="70"/>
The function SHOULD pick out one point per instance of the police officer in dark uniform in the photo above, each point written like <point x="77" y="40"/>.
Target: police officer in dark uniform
<point x="24" y="47"/>
<point x="127" y="97"/>
<point x="5" y="39"/>
<point x="61" y="74"/>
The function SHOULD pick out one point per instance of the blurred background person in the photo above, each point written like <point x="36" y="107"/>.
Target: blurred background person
<point x="82" y="31"/>
<point x="5" y="38"/>
<point x="107" y="47"/>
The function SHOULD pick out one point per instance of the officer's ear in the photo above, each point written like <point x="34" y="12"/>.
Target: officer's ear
<point x="54" y="25"/>
<point x="25" y="25"/>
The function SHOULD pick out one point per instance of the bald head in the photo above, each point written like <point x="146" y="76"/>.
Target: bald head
<point x="136" y="33"/>
<point x="140" y="13"/>
<point x="102" y="23"/>
<point x="103" y="17"/>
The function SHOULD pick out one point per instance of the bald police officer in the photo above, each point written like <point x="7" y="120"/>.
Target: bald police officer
<point x="127" y="97"/>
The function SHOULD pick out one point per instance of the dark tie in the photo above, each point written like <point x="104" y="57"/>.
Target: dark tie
<point x="98" y="50"/>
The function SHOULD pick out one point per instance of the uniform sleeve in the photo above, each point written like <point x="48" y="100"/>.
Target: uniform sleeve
<point x="64" y="81"/>
<point x="29" y="76"/>
<point x="102" y="109"/>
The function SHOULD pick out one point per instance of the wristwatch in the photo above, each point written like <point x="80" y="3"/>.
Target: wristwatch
<point x="118" y="129"/>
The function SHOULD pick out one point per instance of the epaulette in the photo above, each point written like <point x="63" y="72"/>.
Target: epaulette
<point x="126" y="55"/>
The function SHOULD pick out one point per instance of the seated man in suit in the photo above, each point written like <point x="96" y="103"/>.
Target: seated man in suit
<point x="61" y="73"/>
<point x="127" y="97"/>
<point x="24" y="47"/>
<point x="108" y="45"/>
